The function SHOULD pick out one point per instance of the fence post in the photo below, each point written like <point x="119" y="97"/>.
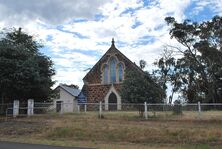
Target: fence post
<point x="199" y="108"/>
<point x="62" y="108"/>
<point x="6" y="113"/>
<point x="15" y="108"/>
<point x="145" y="110"/>
<point x="78" y="108"/>
<point x="100" y="109"/>
<point x="85" y="107"/>
<point x="30" y="110"/>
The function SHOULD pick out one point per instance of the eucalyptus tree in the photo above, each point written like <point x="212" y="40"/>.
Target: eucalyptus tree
<point x="199" y="69"/>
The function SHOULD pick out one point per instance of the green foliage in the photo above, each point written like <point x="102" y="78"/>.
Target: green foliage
<point x="25" y="73"/>
<point x="140" y="88"/>
<point x="142" y="64"/>
<point x="197" y="73"/>
<point x="165" y="73"/>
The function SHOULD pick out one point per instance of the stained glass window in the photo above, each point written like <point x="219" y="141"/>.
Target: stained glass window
<point x="120" y="71"/>
<point x="112" y="64"/>
<point x="105" y="74"/>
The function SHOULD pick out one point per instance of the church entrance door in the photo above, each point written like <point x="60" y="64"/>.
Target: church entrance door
<point x="112" y="102"/>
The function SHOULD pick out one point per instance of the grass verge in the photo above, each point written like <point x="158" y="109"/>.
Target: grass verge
<point x="116" y="130"/>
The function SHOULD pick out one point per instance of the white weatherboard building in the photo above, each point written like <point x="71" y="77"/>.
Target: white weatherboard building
<point x="67" y="98"/>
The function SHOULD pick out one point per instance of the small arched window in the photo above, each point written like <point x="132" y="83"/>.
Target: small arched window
<point x="120" y="72"/>
<point x="105" y="74"/>
<point x="112" y="64"/>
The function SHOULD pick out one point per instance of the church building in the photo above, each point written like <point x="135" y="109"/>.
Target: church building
<point x="103" y="82"/>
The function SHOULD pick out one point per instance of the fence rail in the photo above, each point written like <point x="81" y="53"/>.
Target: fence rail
<point x="196" y="110"/>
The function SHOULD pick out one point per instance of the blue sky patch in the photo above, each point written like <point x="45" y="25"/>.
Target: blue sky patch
<point x="196" y="14"/>
<point x="49" y="37"/>
<point x="146" y="40"/>
<point x="128" y="11"/>
<point x="136" y="24"/>
<point x="99" y="17"/>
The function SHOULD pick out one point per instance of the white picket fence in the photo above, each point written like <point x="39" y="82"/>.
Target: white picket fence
<point x="35" y="108"/>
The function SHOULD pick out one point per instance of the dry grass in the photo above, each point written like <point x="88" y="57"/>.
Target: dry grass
<point x="117" y="130"/>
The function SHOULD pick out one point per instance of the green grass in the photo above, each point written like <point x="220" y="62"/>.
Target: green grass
<point x="118" y="130"/>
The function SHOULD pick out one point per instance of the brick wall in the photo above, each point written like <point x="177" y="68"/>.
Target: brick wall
<point x="96" y="93"/>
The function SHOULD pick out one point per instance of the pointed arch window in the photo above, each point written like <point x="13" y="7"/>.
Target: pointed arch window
<point x="120" y="72"/>
<point x="112" y="64"/>
<point x="112" y="71"/>
<point x="105" y="73"/>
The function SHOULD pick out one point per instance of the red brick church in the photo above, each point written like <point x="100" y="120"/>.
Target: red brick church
<point x="103" y="81"/>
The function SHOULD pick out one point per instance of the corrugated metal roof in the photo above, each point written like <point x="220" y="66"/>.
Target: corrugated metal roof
<point x="73" y="91"/>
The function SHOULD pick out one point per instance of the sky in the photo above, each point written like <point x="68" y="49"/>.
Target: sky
<point x="76" y="33"/>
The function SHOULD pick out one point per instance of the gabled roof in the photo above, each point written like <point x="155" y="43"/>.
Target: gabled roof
<point x="72" y="91"/>
<point x="113" y="49"/>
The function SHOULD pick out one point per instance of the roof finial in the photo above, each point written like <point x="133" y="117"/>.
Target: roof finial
<point x="113" y="41"/>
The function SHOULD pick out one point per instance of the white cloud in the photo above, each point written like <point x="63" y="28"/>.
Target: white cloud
<point x="213" y="5"/>
<point x="69" y="77"/>
<point x="50" y="11"/>
<point x="119" y="25"/>
<point x="200" y="5"/>
<point x="116" y="7"/>
<point x="66" y="59"/>
<point x="217" y="6"/>
<point x="118" y="17"/>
